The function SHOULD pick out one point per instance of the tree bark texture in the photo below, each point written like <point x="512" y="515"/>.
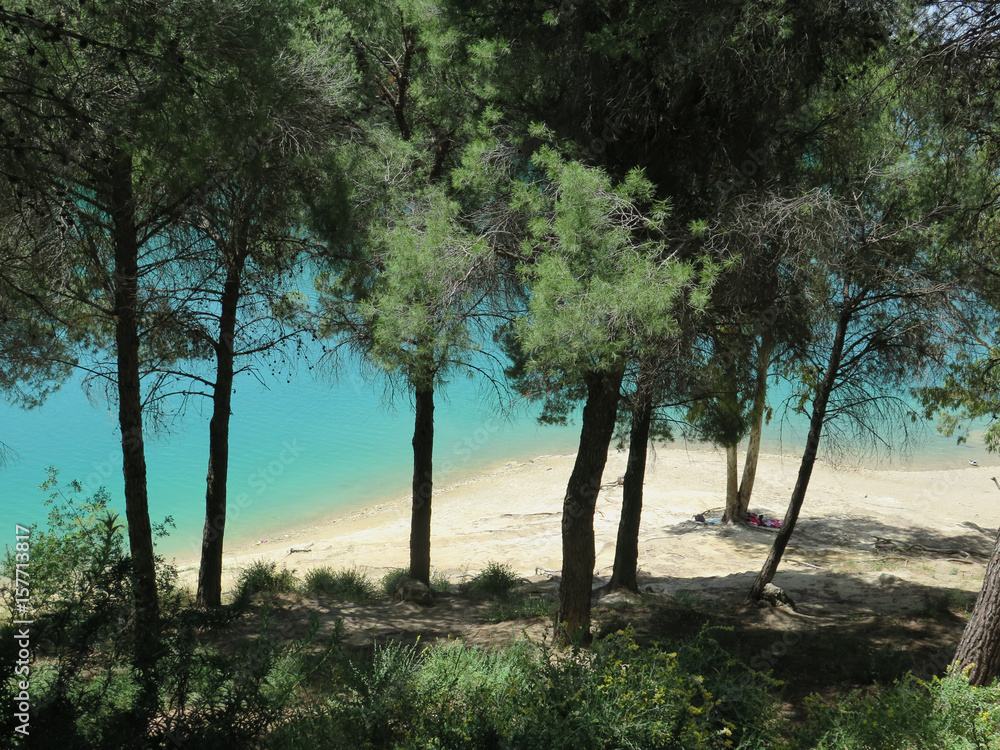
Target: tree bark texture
<point x="579" y="503"/>
<point x="210" y="572"/>
<point x="423" y="485"/>
<point x="764" y="351"/>
<point x="732" y="512"/>
<point x="624" y="573"/>
<point x="819" y="406"/>
<point x="126" y="295"/>
<point x="979" y="649"/>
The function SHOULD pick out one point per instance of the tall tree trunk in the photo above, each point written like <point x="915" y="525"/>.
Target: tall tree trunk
<point x="624" y="572"/>
<point x="210" y="571"/>
<point x="126" y="296"/>
<point x="764" y="351"/>
<point x="579" y="503"/>
<point x="979" y="649"/>
<point x="732" y="512"/>
<point x="423" y="485"/>
<point x="820" y="402"/>
<point x="731" y="403"/>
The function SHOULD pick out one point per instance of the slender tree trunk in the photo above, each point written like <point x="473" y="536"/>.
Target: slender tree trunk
<point x="764" y="352"/>
<point x="579" y="503"/>
<point x="732" y="512"/>
<point x="210" y="572"/>
<point x="749" y="467"/>
<point x="423" y="485"/>
<point x="624" y="573"/>
<point x="126" y="295"/>
<point x="820" y="402"/>
<point x="732" y="403"/>
<point x="979" y="649"/>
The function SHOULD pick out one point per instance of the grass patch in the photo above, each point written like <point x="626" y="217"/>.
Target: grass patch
<point x="264" y="577"/>
<point x="498" y="583"/>
<point x="391" y="580"/>
<point x="440" y="584"/>
<point x="616" y="695"/>
<point x="350" y="585"/>
<point x="962" y="602"/>
<point x="495" y="581"/>
<point x="519" y="606"/>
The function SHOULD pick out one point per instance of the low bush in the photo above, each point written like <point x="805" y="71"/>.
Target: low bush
<point x="233" y="694"/>
<point x="943" y="713"/>
<point x="495" y="581"/>
<point x="350" y="585"/>
<point x="618" y="695"/>
<point x="264" y="577"/>
<point x="391" y="580"/>
<point x="85" y="689"/>
<point x="440" y="584"/>
<point x="83" y="623"/>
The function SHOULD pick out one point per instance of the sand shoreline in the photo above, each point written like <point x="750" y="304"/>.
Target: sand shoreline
<point x="511" y="514"/>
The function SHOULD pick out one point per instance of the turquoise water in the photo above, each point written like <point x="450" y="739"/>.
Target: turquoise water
<point x="310" y="448"/>
<point x="299" y="451"/>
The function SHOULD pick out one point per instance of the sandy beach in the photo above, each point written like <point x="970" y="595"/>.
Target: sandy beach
<point x="941" y="525"/>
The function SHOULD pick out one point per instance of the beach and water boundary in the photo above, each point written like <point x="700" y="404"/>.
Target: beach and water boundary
<point x="307" y="451"/>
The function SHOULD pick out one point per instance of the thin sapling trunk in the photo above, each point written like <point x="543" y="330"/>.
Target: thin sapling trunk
<point x="820" y="403"/>
<point x="624" y="573"/>
<point x="210" y="572"/>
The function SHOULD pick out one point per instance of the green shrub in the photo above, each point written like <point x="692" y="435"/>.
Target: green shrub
<point x="79" y="556"/>
<point x="232" y="694"/>
<point x="351" y="585"/>
<point x="85" y="692"/>
<point x="445" y="697"/>
<point x="440" y="584"/>
<point x="943" y="713"/>
<point x="320" y="581"/>
<point x="619" y="695"/>
<point x="495" y="581"/>
<point x="472" y="697"/>
<point x="391" y="580"/>
<point x="264" y="576"/>
<point x="81" y="598"/>
<point x="743" y="696"/>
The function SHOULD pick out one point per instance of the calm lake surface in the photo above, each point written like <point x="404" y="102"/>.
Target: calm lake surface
<point x="299" y="451"/>
<point x="311" y="448"/>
